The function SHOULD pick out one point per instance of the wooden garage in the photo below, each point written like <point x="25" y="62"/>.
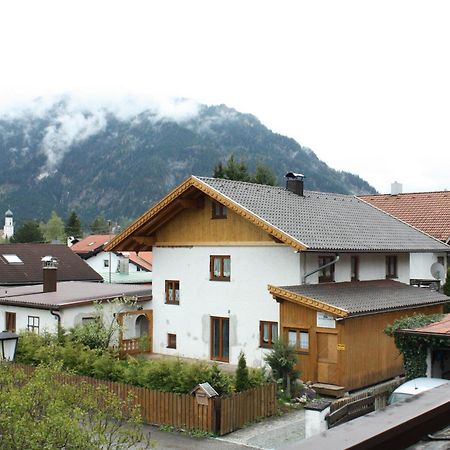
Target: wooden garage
<point x="338" y="328"/>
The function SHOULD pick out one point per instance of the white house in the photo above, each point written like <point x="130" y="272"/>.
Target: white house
<point x="114" y="267"/>
<point x="217" y="245"/>
<point x="46" y="306"/>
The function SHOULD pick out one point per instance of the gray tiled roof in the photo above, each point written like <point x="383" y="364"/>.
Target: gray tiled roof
<point x="69" y="293"/>
<point x="324" y="221"/>
<point x="369" y="296"/>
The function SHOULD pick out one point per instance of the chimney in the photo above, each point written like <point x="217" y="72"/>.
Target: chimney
<point x="396" y="188"/>
<point x="294" y="183"/>
<point x="49" y="268"/>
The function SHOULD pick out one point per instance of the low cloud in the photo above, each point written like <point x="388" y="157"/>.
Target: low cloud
<point x="75" y="118"/>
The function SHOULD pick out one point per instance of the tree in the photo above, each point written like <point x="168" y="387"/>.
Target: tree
<point x="237" y="170"/>
<point x="38" y="412"/>
<point x="28" y="232"/>
<point x="100" y="226"/>
<point x="282" y="359"/>
<point x="53" y="230"/>
<point x="242" y="380"/>
<point x="73" y="225"/>
<point x="264" y="175"/>
<point x="233" y="170"/>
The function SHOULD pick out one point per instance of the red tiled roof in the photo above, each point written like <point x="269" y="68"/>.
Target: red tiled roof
<point x="143" y="259"/>
<point x="442" y="327"/>
<point x="426" y="211"/>
<point x="91" y="243"/>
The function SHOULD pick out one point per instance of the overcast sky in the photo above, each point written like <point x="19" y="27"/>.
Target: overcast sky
<point x="364" y="84"/>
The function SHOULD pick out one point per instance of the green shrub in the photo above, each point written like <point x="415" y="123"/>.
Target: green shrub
<point x="282" y="359"/>
<point x="242" y="380"/>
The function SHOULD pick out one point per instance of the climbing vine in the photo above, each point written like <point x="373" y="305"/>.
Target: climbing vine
<point x="414" y="347"/>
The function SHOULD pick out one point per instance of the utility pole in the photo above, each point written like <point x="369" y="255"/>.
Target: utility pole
<point x="109" y="265"/>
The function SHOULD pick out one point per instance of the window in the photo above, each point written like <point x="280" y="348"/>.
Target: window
<point x="298" y="339"/>
<point x="87" y="320"/>
<point x="173" y="292"/>
<point x="171" y="340"/>
<point x="268" y="332"/>
<point x="33" y="324"/>
<point x="106" y="263"/>
<point x="220" y="338"/>
<point x="12" y="259"/>
<point x="391" y="266"/>
<point x="327" y="273"/>
<point x="219" y="211"/>
<point x="220" y="268"/>
<point x="10" y="322"/>
<point x="354" y="268"/>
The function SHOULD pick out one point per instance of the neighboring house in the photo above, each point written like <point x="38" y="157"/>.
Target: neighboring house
<point x="438" y="359"/>
<point x="8" y="229"/>
<point x="114" y="267"/>
<point x="20" y="264"/>
<point x="69" y="303"/>
<point x="217" y="244"/>
<point x="428" y="212"/>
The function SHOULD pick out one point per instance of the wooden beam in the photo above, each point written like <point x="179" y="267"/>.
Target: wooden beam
<point x="146" y="240"/>
<point x="190" y="203"/>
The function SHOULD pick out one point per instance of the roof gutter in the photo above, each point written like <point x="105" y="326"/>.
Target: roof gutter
<point x="320" y="268"/>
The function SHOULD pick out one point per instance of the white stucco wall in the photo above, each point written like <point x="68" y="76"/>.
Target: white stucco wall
<point x="244" y="299"/>
<point x="421" y="264"/>
<point x="372" y="266"/>
<point x="97" y="263"/>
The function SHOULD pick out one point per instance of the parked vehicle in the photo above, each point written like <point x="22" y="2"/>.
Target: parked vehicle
<point x="414" y="387"/>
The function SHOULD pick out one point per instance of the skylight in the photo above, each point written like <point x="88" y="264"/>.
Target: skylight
<point x="12" y="259"/>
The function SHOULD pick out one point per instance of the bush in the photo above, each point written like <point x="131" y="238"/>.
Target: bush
<point x="414" y="347"/>
<point x="37" y="412"/>
<point x="242" y="380"/>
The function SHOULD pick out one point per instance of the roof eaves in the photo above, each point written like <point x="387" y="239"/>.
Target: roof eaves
<point x="284" y="294"/>
<point x="249" y="215"/>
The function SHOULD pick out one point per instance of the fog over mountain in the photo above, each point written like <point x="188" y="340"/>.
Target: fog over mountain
<point x="117" y="157"/>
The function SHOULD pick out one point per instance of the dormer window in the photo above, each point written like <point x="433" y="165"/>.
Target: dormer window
<point x="219" y="211"/>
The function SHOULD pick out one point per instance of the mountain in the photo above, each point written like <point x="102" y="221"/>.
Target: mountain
<point x="117" y="162"/>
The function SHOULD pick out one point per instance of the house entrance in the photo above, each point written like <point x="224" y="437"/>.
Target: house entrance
<point x="220" y="338"/>
<point x="327" y="355"/>
<point x="135" y="326"/>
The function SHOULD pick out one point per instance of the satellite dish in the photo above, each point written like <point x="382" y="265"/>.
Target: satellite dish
<point x="437" y="270"/>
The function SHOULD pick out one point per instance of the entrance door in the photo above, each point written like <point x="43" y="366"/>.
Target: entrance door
<point x="220" y="338"/>
<point x="327" y="358"/>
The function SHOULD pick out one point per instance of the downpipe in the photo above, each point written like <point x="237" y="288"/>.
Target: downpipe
<point x="320" y="268"/>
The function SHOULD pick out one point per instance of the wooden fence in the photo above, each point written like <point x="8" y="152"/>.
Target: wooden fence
<point x="220" y="416"/>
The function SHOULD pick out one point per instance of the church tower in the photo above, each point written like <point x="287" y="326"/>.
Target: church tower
<point x="8" y="229"/>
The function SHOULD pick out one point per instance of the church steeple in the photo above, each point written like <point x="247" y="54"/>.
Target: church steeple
<point x="8" y="229"/>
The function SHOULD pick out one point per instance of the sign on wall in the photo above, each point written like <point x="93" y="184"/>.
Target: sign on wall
<point x="325" y="320"/>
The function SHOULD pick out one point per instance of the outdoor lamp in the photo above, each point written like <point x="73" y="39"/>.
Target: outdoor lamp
<point x="8" y="345"/>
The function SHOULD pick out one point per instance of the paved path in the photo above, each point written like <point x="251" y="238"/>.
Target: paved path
<point x="269" y="434"/>
<point x="272" y="433"/>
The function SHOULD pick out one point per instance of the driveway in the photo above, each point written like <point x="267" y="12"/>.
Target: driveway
<point x="270" y="434"/>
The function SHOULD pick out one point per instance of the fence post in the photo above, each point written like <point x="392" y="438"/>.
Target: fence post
<point x="215" y="405"/>
<point x="315" y="417"/>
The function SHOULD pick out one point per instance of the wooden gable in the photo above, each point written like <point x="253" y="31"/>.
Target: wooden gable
<point x="184" y="217"/>
<point x="197" y="227"/>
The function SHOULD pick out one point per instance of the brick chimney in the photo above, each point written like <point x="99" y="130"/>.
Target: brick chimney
<point x="49" y="268"/>
<point x="294" y="183"/>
